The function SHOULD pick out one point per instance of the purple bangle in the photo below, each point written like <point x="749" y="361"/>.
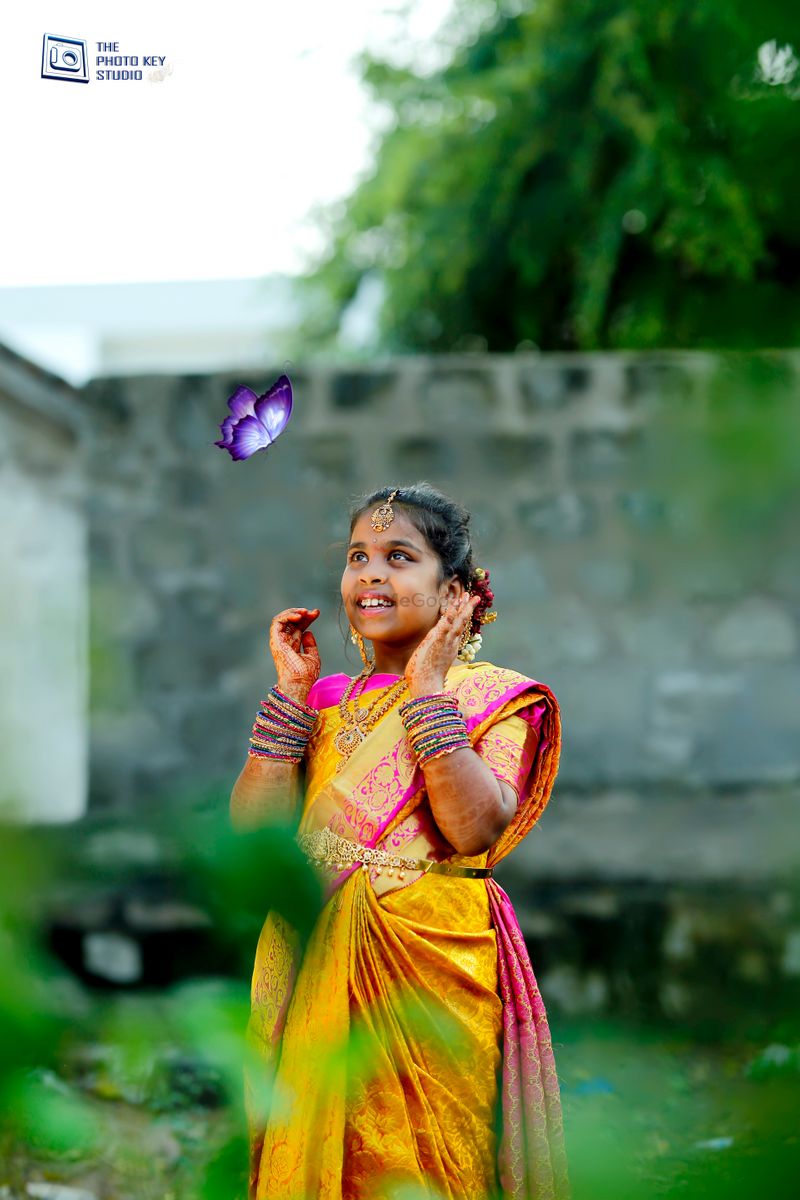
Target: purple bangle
<point x="282" y="728"/>
<point x="435" y="726"/>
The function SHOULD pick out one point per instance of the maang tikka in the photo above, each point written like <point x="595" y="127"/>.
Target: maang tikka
<point x="383" y="515"/>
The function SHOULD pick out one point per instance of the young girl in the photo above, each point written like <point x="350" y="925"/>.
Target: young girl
<point x="418" y="776"/>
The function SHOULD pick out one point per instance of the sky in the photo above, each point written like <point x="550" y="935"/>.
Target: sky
<point x="211" y="172"/>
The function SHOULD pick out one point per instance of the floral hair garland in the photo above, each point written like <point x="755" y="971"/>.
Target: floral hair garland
<point x="479" y="586"/>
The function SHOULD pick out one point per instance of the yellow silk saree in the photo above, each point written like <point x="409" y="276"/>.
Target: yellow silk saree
<point x="408" y="1043"/>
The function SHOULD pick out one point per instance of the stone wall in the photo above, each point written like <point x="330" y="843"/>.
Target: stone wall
<point x="664" y="618"/>
<point x="672" y="672"/>
<point x="44" y="597"/>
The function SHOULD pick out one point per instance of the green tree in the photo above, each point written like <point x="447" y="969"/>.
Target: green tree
<point x="582" y="174"/>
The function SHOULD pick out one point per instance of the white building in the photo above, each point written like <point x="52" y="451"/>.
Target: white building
<point x="84" y="330"/>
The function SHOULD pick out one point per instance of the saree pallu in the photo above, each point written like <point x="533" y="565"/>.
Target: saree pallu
<point x="408" y="1044"/>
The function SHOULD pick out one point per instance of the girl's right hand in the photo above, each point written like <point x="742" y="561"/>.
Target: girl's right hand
<point x="294" y="651"/>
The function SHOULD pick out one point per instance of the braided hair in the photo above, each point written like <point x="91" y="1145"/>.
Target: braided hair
<point x="444" y="523"/>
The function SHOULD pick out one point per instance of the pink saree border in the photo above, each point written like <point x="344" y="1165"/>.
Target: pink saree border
<point x="531" y="1156"/>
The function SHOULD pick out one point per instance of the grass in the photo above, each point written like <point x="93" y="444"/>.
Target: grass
<point x="649" y="1112"/>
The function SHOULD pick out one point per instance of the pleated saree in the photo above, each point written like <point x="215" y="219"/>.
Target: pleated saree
<point x="409" y="1042"/>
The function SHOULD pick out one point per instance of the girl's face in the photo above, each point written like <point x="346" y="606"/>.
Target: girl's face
<point x="400" y="565"/>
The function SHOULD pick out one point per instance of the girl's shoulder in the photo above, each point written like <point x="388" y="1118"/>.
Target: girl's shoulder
<point x="489" y="678"/>
<point x="327" y="690"/>
<point x="482" y="669"/>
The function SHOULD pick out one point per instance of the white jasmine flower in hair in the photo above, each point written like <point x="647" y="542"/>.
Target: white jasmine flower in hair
<point x="471" y="648"/>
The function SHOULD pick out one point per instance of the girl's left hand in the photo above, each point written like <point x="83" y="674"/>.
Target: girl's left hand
<point x="434" y="655"/>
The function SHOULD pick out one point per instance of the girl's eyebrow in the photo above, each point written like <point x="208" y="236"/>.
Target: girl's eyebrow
<point x="392" y="542"/>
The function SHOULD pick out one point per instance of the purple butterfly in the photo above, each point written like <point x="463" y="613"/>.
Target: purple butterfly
<point x="255" y="421"/>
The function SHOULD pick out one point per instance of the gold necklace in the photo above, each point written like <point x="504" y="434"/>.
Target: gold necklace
<point x="358" y="723"/>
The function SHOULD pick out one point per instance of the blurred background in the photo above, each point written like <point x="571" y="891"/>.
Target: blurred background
<point x="544" y="255"/>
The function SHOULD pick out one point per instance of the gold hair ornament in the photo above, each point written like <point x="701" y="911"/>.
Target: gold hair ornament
<point x="383" y="515"/>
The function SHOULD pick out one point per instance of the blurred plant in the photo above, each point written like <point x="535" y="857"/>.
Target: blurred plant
<point x="649" y="1113"/>
<point x="38" y="1002"/>
<point x="598" y="173"/>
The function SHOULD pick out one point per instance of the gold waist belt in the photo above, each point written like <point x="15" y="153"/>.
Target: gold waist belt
<point x="325" y="847"/>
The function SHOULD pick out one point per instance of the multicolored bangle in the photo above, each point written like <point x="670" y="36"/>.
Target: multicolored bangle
<point x="282" y="728"/>
<point x="434" y="726"/>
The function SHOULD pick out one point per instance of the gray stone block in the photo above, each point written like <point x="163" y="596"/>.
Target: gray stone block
<point x="518" y="581"/>
<point x="757" y="628"/>
<point x="194" y="409"/>
<point x="783" y="577"/>
<point x="643" y="510"/>
<point x="708" y="575"/>
<point x="655" y="379"/>
<point x="510" y="455"/>
<point x="451" y="398"/>
<point x="166" y="543"/>
<point x="210" y="735"/>
<point x="548" y="387"/>
<point x="753" y="738"/>
<point x="657" y="637"/>
<point x="564" y="630"/>
<point x="603" y="453"/>
<point x="328" y="458"/>
<point x="603" y="711"/>
<point x="424" y="457"/>
<point x="108" y="405"/>
<point x="685" y="707"/>
<point x="186" y="487"/>
<point x="610" y="577"/>
<point x="560" y="517"/>
<point x="360" y="389"/>
<point x="120" y="609"/>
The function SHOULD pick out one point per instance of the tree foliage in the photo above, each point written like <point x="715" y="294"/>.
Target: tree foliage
<point x="583" y="174"/>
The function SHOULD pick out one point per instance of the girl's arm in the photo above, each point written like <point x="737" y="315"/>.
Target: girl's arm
<point x="471" y="806"/>
<point x="469" y="803"/>
<point x="266" y="790"/>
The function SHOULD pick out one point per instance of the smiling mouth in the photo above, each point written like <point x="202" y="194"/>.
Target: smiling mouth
<point x="371" y="607"/>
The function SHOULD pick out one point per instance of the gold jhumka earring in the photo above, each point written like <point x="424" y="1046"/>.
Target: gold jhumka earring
<point x="357" y="640"/>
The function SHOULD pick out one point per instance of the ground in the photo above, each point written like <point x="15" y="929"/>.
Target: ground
<point x="649" y="1112"/>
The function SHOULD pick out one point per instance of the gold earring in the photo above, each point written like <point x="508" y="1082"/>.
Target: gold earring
<point x="357" y="640"/>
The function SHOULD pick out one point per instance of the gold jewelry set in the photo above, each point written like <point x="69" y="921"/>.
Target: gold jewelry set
<point x="356" y="725"/>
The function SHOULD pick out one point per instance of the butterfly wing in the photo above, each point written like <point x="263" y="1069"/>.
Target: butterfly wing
<point x="248" y="436"/>
<point x="274" y="408"/>
<point x="241" y="403"/>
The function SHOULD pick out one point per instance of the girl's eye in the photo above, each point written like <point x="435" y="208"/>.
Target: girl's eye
<point x="356" y="553"/>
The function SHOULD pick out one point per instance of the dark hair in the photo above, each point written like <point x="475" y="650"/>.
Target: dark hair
<point x="444" y="523"/>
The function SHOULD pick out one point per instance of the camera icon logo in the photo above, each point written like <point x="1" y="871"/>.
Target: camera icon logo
<point x="64" y="58"/>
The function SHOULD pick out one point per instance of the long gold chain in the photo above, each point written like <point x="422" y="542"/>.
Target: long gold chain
<point x="358" y="723"/>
